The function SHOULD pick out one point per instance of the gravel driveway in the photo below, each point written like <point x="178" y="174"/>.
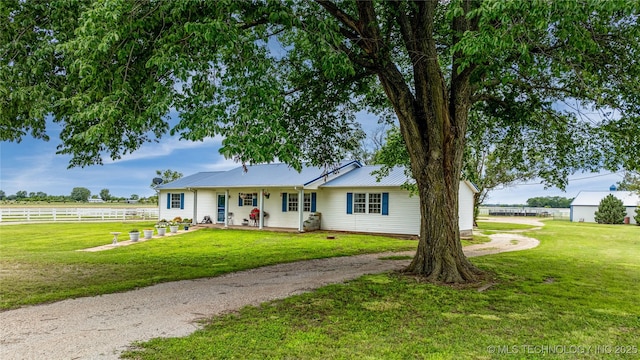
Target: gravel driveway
<point x="103" y="326"/>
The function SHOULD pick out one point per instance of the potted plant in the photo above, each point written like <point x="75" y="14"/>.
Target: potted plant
<point x="162" y="228"/>
<point x="148" y="233"/>
<point x="134" y="234"/>
<point x="186" y="223"/>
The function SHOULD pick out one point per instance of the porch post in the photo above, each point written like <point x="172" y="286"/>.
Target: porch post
<point x="300" y="208"/>
<point x="261" y="205"/>
<point x="226" y="208"/>
<point x="194" y="218"/>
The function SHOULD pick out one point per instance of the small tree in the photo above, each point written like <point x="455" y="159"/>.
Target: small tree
<point x="610" y="211"/>
<point x="105" y="195"/>
<point x="637" y="217"/>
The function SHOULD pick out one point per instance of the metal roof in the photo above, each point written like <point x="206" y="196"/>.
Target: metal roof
<point x="362" y="178"/>
<point x="593" y="198"/>
<point x="262" y="175"/>
<point x="191" y="180"/>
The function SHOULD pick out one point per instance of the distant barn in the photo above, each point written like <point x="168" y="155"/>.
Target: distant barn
<point x="584" y="206"/>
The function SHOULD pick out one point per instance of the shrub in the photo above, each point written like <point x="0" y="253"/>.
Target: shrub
<point x="610" y="211"/>
<point x="637" y="217"/>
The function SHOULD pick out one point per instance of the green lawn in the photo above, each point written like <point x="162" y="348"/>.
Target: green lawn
<point x="496" y="226"/>
<point x="39" y="262"/>
<point x="575" y="296"/>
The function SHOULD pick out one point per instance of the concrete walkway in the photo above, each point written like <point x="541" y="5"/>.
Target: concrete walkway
<point x="103" y="326"/>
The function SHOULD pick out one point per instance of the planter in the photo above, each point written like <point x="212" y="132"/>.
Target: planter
<point x="186" y="227"/>
<point x="173" y="229"/>
<point x="148" y="234"/>
<point x="134" y="236"/>
<point x="162" y="231"/>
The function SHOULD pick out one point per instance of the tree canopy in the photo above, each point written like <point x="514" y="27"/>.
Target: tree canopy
<point x="630" y="182"/>
<point x="283" y="80"/>
<point x="167" y="176"/>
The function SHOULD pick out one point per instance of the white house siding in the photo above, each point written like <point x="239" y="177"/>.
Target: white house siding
<point x="169" y="214"/>
<point x="587" y="214"/>
<point x="404" y="212"/>
<point x="403" y="218"/>
<point x="207" y="205"/>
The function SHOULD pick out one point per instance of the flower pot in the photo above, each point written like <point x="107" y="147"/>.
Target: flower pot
<point x="173" y="229"/>
<point x="162" y="231"/>
<point x="186" y="227"/>
<point x="134" y="236"/>
<point x="148" y="234"/>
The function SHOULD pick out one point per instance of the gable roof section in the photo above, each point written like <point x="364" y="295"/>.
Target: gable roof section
<point x="362" y="177"/>
<point x="593" y="198"/>
<point x="262" y="175"/>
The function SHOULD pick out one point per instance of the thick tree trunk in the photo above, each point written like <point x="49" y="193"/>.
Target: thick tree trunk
<point x="439" y="256"/>
<point x="433" y="121"/>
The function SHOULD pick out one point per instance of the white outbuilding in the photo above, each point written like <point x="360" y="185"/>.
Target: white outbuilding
<point x="584" y="206"/>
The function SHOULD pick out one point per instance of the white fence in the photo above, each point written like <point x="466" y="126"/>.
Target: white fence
<point x="556" y="213"/>
<point x="76" y="214"/>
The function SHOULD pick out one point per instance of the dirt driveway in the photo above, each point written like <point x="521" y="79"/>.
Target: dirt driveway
<point x="103" y="326"/>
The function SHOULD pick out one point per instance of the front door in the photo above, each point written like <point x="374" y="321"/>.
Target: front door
<point x="220" y="208"/>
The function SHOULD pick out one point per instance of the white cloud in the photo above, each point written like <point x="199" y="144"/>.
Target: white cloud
<point x="166" y="147"/>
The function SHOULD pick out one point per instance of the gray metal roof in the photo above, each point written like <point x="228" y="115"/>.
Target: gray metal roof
<point x="362" y="177"/>
<point x="262" y="175"/>
<point x="593" y="198"/>
<point x="191" y="180"/>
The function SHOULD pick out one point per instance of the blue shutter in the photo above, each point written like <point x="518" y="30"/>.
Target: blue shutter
<point x="385" y="203"/>
<point x="255" y="199"/>
<point x="349" y="203"/>
<point x="284" y="202"/>
<point x="240" y="200"/>
<point x="168" y="200"/>
<point x="313" y="202"/>
<point x="181" y="201"/>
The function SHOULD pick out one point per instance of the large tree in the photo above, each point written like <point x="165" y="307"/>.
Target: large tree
<point x="283" y="79"/>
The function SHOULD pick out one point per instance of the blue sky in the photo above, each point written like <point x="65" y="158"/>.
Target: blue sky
<point x="33" y="166"/>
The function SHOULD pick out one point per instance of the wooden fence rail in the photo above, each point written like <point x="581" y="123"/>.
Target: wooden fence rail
<point x="76" y="214"/>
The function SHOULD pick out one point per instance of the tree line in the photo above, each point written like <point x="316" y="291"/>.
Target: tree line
<point x="78" y="194"/>
<point x="82" y="194"/>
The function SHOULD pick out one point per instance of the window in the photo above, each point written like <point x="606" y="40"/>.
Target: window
<point x="359" y="203"/>
<point x="248" y="200"/>
<point x="175" y="201"/>
<point x="306" y="202"/>
<point x="375" y="203"/>
<point x="293" y="202"/>
<point x="368" y="203"/>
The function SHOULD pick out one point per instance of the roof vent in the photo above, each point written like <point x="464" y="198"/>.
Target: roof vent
<point x="613" y="187"/>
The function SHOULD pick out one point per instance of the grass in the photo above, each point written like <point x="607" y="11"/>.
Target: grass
<point x="496" y="226"/>
<point x="574" y="296"/>
<point x="39" y="262"/>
